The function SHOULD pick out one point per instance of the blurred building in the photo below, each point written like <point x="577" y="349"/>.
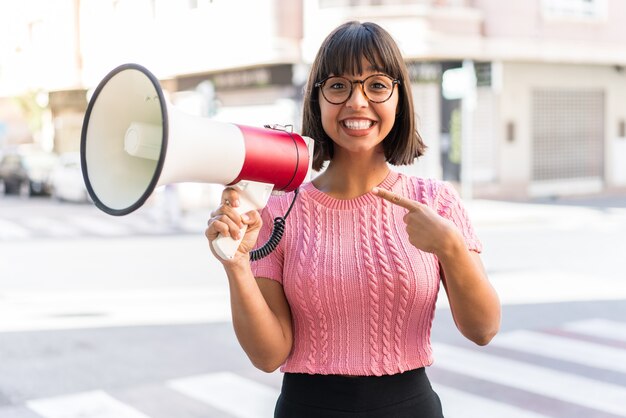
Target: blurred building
<point x="532" y="88"/>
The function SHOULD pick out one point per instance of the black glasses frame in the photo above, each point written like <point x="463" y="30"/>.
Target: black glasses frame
<point x="321" y="83"/>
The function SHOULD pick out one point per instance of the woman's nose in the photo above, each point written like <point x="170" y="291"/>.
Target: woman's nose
<point x="357" y="97"/>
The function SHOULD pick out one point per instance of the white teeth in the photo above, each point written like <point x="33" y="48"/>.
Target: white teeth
<point x="357" y="124"/>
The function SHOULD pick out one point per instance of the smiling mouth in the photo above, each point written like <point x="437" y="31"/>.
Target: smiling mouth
<point x="357" y="124"/>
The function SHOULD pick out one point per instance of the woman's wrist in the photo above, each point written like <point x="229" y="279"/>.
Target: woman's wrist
<point x="240" y="265"/>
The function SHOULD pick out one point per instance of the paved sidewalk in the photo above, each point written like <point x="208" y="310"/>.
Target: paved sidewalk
<point x="545" y="252"/>
<point x="495" y="213"/>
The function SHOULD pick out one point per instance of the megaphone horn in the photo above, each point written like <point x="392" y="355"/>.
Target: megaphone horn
<point x="133" y="141"/>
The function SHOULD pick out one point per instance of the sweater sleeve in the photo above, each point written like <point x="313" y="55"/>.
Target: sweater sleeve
<point x="270" y="267"/>
<point x="448" y="204"/>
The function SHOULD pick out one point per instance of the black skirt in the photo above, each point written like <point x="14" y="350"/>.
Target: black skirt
<point x="403" y="395"/>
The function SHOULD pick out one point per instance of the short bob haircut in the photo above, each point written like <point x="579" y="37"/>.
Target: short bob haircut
<point x="341" y="53"/>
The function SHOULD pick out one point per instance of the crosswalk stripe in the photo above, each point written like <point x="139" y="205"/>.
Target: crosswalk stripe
<point x="40" y="226"/>
<point x="51" y="226"/>
<point x="459" y="404"/>
<point x="95" y="404"/>
<point x="558" y="385"/>
<point x="598" y="327"/>
<point x="582" y="352"/>
<point x="11" y="230"/>
<point x="99" y="226"/>
<point x="235" y="395"/>
<point x="143" y="225"/>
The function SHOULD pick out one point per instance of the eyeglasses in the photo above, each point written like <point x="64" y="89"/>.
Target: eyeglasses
<point x="377" y="88"/>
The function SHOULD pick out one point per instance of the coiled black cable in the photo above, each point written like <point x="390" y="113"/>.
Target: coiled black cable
<point x="277" y="234"/>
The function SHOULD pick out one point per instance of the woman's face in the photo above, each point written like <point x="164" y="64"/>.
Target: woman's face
<point x="358" y="126"/>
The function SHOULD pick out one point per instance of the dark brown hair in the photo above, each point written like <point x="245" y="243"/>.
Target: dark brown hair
<point x="342" y="53"/>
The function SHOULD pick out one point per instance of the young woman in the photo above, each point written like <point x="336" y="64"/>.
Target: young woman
<point x="345" y="303"/>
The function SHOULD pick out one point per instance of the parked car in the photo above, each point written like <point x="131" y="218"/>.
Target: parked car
<point x="25" y="171"/>
<point x="66" y="179"/>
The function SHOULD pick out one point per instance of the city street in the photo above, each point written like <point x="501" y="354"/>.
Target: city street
<point x="105" y="317"/>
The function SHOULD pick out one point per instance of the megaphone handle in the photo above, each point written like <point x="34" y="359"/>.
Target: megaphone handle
<point x="225" y="246"/>
<point x="252" y="195"/>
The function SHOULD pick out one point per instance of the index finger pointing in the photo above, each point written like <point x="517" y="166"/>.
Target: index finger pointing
<point x="394" y="198"/>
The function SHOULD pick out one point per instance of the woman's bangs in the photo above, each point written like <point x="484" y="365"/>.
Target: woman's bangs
<point x="352" y="46"/>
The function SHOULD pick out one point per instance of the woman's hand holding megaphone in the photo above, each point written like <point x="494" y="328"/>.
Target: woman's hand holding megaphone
<point x="228" y="221"/>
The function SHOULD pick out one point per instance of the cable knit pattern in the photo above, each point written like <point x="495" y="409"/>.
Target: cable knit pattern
<point x="315" y="292"/>
<point x="372" y="286"/>
<point x="362" y="297"/>
<point x="403" y="291"/>
<point x="388" y="284"/>
<point x="299" y="288"/>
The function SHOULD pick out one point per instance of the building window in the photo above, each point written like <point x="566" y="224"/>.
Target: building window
<point x="575" y="9"/>
<point x="568" y="134"/>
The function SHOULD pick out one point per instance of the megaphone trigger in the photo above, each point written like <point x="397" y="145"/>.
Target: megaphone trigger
<point x="252" y="196"/>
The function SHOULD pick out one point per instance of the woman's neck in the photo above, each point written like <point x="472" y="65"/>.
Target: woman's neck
<point x="347" y="181"/>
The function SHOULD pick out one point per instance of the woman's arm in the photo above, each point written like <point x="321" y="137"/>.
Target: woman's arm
<point x="473" y="301"/>
<point x="261" y="318"/>
<point x="260" y="312"/>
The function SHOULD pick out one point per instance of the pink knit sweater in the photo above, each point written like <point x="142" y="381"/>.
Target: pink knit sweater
<point x="362" y="297"/>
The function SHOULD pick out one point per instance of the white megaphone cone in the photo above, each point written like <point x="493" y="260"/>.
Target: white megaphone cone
<point x="133" y="141"/>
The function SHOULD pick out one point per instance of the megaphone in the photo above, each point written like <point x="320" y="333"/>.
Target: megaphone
<point x="133" y="141"/>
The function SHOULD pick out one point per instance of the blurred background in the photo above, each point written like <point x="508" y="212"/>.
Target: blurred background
<point x="520" y="102"/>
<point x="545" y="78"/>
